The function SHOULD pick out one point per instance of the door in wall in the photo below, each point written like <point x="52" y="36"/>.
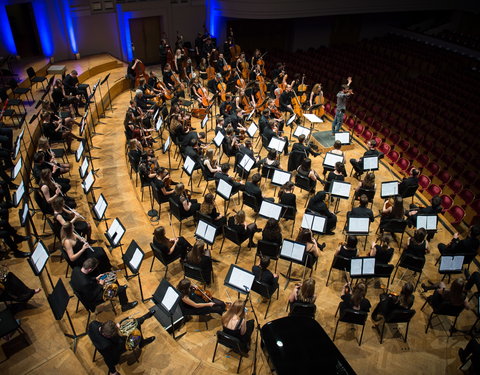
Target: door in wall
<point x="145" y="34"/>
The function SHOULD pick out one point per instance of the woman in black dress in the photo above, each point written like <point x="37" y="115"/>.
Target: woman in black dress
<point x="305" y="170"/>
<point x="78" y="250"/>
<point x="14" y="289"/>
<point x="193" y="304"/>
<point x="235" y="324"/>
<point x="271" y="160"/>
<point x="338" y="174"/>
<point x="272" y="232"/>
<point x="382" y="252"/>
<point x="392" y="212"/>
<point x="391" y="302"/>
<point x="304" y="292"/>
<point x="188" y="206"/>
<point x="49" y="156"/>
<point x="418" y="244"/>
<point x="209" y="208"/>
<point x="171" y="248"/>
<point x="355" y="300"/>
<point x="348" y="249"/>
<point x="63" y="215"/>
<point x="443" y="297"/>
<point x="200" y="257"/>
<point x="51" y="190"/>
<point x="286" y="196"/>
<point x="61" y="100"/>
<point x="264" y="275"/>
<point x="237" y="223"/>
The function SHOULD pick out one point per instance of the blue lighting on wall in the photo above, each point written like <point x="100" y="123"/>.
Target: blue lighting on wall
<point x="124" y="30"/>
<point x="43" y="27"/>
<point x="214" y="17"/>
<point x="6" y="35"/>
<point x="69" y="25"/>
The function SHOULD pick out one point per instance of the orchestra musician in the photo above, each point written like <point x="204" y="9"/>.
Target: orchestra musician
<point x="272" y="131"/>
<point x="223" y="174"/>
<point x="342" y="97"/>
<point x="200" y="257"/>
<point x="70" y="85"/>
<point x="168" y="77"/>
<point x="234" y="323"/>
<point x="193" y="304"/>
<point x="171" y="248"/>
<point x="131" y="74"/>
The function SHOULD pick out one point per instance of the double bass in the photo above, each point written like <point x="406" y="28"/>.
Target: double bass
<point x="140" y="73"/>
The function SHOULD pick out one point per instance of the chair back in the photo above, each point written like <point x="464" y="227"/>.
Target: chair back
<point x="303" y="182"/>
<point x="230" y="342"/>
<point x="341" y="263"/>
<point x="354" y="316"/>
<point x="370" y="193"/>
<point x="157" y="253"/>
<point x="42" y="203"/>
<point x="66" y="257"/>
<point x="395" y="226"/>
<point x="205" y="173"/>
<point x="295" y="160"/>
<point x="193" y="272"/>
<point x="289" y="212"/>
<point x="261" y="288"/>
<point x="449" y="310"/>
<point x="383" y="270"/>
<point x="133" y="163"/>
<point x="400" y="316"/>
<point x="250" y="201"/>
<point x="307" y="310"/>
<point x="82" y="301"/>
<point x="267" y="171"/>
<point x="232" y="235"/>
<point x="30" y="72"/>
<point x="175" y="209"/>
<point x="144" y="181"/>
<point x="412" y="262"/>
<point x="410" y="191"/>
<point x="270" y="249"/>
<point x="204" y="217"/>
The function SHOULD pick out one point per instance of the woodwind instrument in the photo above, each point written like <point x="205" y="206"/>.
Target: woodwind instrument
<point x="74" y="212"/>
<point x="85" y="242"/>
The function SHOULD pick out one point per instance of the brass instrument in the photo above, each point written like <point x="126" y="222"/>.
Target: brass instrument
<point x="129" y="329"/>
<point x="4" y="271"/>
<point x="110" y="286"/>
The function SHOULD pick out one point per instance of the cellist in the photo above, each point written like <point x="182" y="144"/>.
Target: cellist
<point x="168" y="77"/>
<point x="286" y="100"/>
<point x="131" y="74"/>
<point x="316" y="98"/>
<point x="227" y="107"/>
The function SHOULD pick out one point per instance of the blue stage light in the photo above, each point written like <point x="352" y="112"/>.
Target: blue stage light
<point x="69" y="25"/>
<point x="214" y="17"/>
<point x="43" y="27"/>
<point x="124" y="30"/>
<point x="6" y="35"/>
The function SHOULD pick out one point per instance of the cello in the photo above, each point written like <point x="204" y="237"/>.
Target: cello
<point x="140" y="73"/>
<point x="222" y="88"/>
<point x="302" y="90"/>
<point x="318" y="101"/>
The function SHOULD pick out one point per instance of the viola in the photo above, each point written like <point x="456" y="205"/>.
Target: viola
<point x="205" y="294"/>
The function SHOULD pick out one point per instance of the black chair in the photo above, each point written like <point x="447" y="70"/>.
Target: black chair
<point x="34" y="79"/>
<point x="206" y="176"/>
<point x="9" y="324"/>
<point x="56" y="233"/>
<point x="194" y="272"/>
<point x="302" y="309"/>
<point x="158" y="197"/>
<point x="370" y="193"/>
<point x="444" y="309"/>
<point x="295" y="160"/>
<point x="270" y="249"/>
<point x="353" y="317"/>
<point x="395" y="226"/>
<point x="267" y="171"/>
<point x="250" y="201"/>
<point x="70" y="264"/>
<point x="145" y="183"/>
<point x="157" y="253"/>
<point x="175" y="211"/>
<point x="339" y="263"/>
<point x="232" y="235"/>
<point x="45" y="208"/>
<point x="133" y="167"/>
<point x="12" y="102"/>
<point x="410" y="191"/>
<point x="411" y="263"/>
<point x="305" y="183"/>
<point x="396" y="317"/>
<point x="266" y="291"/>
<point x="384" y="271"/>
<point x="19" y="91"/>
<point x="232" y="343"/>
<point x="289" y="213"/>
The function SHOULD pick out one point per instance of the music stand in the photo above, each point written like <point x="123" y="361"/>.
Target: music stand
<point x="245" y="165"/>
<point x="17" y="169"/>
<point x="218" y="139"/>
<point x="132" y="259"/>
<point x="277" y="144"/>
<point x="252" y="130"/>
<point x="280" y="177"/>
<point x="250" y="115"/>
<point x="313" y="118"/>
<point x="38" y="260"/>
<point x="165" y="149"/>
<point x="167" y="308"/>
<point x="19" y="193"/>
<point x="224" y="190"/>
<point x="358" y="226"/>
<point x="451" y="264"/>
<point x="83" y="169"/>
<point x="331" y="159"/>
<point x="114" y="235"/>
<point x="25" y="217"/>
<point x="362" y="267"/>
<point x="58" y="301"/>
<point x="291" y="119"/>
<point x="293" y="252"/>
<point x="189" y="166"/>
<point x="270" y="210"/>
<point x="343" y="137"/>
<point x="206" y="231"/>
<point x="389" y="189"/>
<point x="370" y="163"/>
<point x="87" y="184"/>
<point x="341" y="190"/>
<point x="108" y="91"/>
<point x="428" y="222"/>
<point x="301" y="130"/>
<point x="316" y="223"/>
<point x="99" y="209"/>
<point x="79" y="152"/>
<point x="239" y="279"/>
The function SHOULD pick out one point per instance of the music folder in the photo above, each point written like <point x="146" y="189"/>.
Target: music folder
<point x="331" y="159"/>
<point x="39" y="258"/>
<point x="279" y="177"/>
<point x="246" y="163"/>
<point x="115" y="232"/>
<point x="293" y="251"/>
<point x="277" y="144"/>
<point x="17" y="168"/>
<point x="166" y="145"/>
<point x="370" y="163"/>
<point x="88" y="182"/>
<point x="301" y="130"/>
<point x="204" y="121"/>
<point x="291" y="119"/>
<point x="159" y="123"/>
<point x="218" y="140"/>
<point x="389" y="189"/>
<point x="340" y="189"/>
<point x="451" y="263"/>
<point x="188" y="165"/>
<point x="18" y="143"/>
<point x="23" y="214"/>
<point x="270" y="210"/>
<point x="133" y="257"/>
<point x="252" y="130"/>
<point x="428" y="222"/>
<point x="224" y="189"/>
<point x="79" y="152"/>
<point x="362" y="266"/>
<point x="100" y="207"/>
<point x="316" y="223"/>
<point x="19" y="193"/>
<point x="359" y="226"/>
<point x="206" y="231"/>
<point x="239" y="279"/>
<point x="343" y="137"/>
<point x="83" y="168"/>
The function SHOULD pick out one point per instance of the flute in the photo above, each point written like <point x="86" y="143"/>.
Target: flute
<point x="58" y="186"/>
<point x="85" y="242"/>
<point x="74" y="212"/>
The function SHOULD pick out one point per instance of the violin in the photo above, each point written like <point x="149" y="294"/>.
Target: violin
<point x="205" y="294"/>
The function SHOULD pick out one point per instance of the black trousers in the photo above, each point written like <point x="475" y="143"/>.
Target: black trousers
<point x="473" y="280"/>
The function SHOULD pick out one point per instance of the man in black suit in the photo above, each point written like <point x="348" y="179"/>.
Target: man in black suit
<point x="223" y="175"/>
<point x="90" y="288"/>
<point x="70" y="85"/>
<point x="409" y="182"/>
<point x="106" y="339"/>
<point x="362" y="210"/>
<point x="270" y="132"/>
<point x="300" y="146"/>
<point x="357" y="164"/>
<point x="191" y="150"/>
<point x="212" y="85"/>
<point x="252" y="188"/>
<point x="317" y="205"/>
<point x="469" y="245"/>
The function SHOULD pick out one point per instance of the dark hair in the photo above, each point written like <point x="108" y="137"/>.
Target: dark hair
<point x="419" y="235"/>
<point x="184" y="287"/>
<point x="195" y="255"/>
<point x="225" y="167"/>
<point x="456" y="292"/>
<point x="369" y="180"/>
<point x="415" y="172"/>
<point x="272" y="154"/>
<point x="406" y="298"/>
<point x="108" y="329"/>
<point x="272" y="226"/>
<point x="363" y="200"/>
<point x="90" y="263"/>
<point x="340" y="167"/>
<point x="256" y="178"/>
<point x="304" y="235"/>
<point x="436" y="201"/>
<point x="264" y="262"/>
<point x="351" y="242"/>
<point x="474" y="231"/>
<point x="358" y="294"/>
<point x="397" y="210"/>
<point x="307" y="164"/>
<point x="373" y="143"/>
<point x="160" y="237"/>
<point x="337" y="145"/>
<point x="301" y="138"/>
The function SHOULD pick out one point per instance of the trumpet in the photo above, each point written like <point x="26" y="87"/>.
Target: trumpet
<point x="129" y="329"/>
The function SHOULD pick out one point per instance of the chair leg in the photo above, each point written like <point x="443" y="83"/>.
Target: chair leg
<point x="361" y="335"/>
<point x="215" y="351"/>
<point x="221" y="247"/>
<point x="88" y="320"/>
<point x="336" y="326"/>
<point x="429" y="321"/>
<point x="166" y="270"/>
<point x="453" y="327"/>
<point x="94" y="355"/>
<point x="153" y="260"/>
<point x="328" y="277"/>
<point x="406" y="332"/>
<point x="238" y="253"/>
<point x="239" y="363"/>
<point x="268" y="306"/>
<point x="383" y="331"/>
<point x="78" y="303"/>
<point x="66" y="272"/>
<point x="418" y="280"/>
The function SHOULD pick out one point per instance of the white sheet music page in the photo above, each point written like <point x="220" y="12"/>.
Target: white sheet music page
<point x="19" y="193"/>
<point x="340" y="189"/>
<point x="431" y="222"/>
<point x="159" y="124"/>
<point x="287" y="248"/>
<point x="457" y="262"/>
<point x="17" y="168"/>
<point x="280" y="177"/>
<point x="331" y="159"/>
<point x="277" y="144"/>
<point x="298" y="251"/>
<point x="252" y="129"/>
<point x="389" y="189"/>
<point x="312" y="118"/>
<point x="356" y="266"/>
<point x="291" y="119"/>
<point x="204" y="121"/>
<point x="188" y="165"/>
<point x="301" y="130"/>
<point x="241" y="279"/>
<point x="319" y="224"/>
<point x="358" y="224"/>
<point x="136" y="259"/>
<point x="169" y="298"/>
<point x="218" y="139"/>
<point x="39" y="256"/>
<point x="268" y="209"/>
<point x="307" y="221"/>
<point x="88" y="182"/>
<point x="166" y="145"/>
<point x="247" y="163"/>
<point x="100" y="207"/>
<point x="421" y="222"/>
<point x="370" y="163"/>
<point x="343" y="137"/>
<point x="210" y="233"/>
<point x="201" y="228"/>
<point x="368" y="266"/>
<point x="446" y="263"/>
<point x="84" y="167"/>
<point x="79" y="152"/>
<point x="224" y="189"/>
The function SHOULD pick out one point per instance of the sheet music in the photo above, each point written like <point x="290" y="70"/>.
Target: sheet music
<point x="247" y="163"/>
<point x="166" y="145"/>
<point x="331" y="159"/>
<point x="319" y="224"/>
<point x="84" y="168"/>
<point x="291" y="119"/>
<point x="169" y="298"/>
<point x="18" y="144"/>
<point x="218" y="139"/>
<point x="115" y="232"/>
<point x="241" y="279"/>
<point x="356" y="266"/>
<point x="277" y="144"/>
<point x="188" y="165"/>
<point x="39" y="256"/>
<point x="17" y="169"/>
<point x="451" y="263"/>
<point x="24" y="213"/>
<point x="370" y="163"/>
<point x="358" y="224"/>
<point x="301" y="130"/>
<point x="158" y="124"/>
<point x="307" y="221"/>
<point x="389" y="189"/>
<point x="340" y="189"/>
<point x="292" y="250"/>
<point x="155" y="116"/>
<point x="78" y="154"/>
<point x="280" y="177"/>
<point x="100" y="207"/>
<point x="136" y="259"/>
<point x="252" y="130"/>
<point x="88" y="182"/>
<point x="205" y="231"/>
<point x="19" y="193"/>
<point x="270" y="210"/>
<point x="204" y="121"/>
<point x="83" y="122"/>
<point x="427" y="222"/>
<point x="368" y="266"/>
<point x="224" y="189"/>
<point x="343" y="137"/>
<point x="312" y="118"/>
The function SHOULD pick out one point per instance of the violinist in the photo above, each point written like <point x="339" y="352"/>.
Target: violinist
<point x="223" y="174"/>
<point x="271" y="160"/>
<point x="247" y="149"/>
<point x="146" y="170"/>
<point x="227" y="107"/>
<point x="171" y="248"/>
<point x="232" y="145"/>
<point x="236" y="120"/>
<point x="208" y="48"/>
<point x="194" y="151"/>
<point x="60" y="99"/>
<point x="142" y="101"/>
<point x="200" y="257"/>
<point x="209" y="208"/>
<point x="263" y="120"/>
<point x="211" y="163"/>
<point x="234" y="323"/>
<point x="317" y="205"/>
<point x="202" y="69"/>
<point x="188" y="206"/>
<point x="193" y="303"/>
<point x="168" y="77"/>
<point x="272" y="131"/>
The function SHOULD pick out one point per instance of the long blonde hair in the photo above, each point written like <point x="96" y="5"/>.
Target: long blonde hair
<point x="237" y="309"/>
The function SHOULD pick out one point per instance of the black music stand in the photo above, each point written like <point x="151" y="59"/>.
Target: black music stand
<point x="114" y="235"/>
<point x="99" y="208"/>
<point x="293" y="252"/>
<point x="224" y="190"/>
<point x="239" y="279"/>
<point x="167" y="308"/>
<point x="38" y="260"/>
<point x="132" y="260"/>
<point x="58" y="301"/>
<point x="108" y="92"/>
<point x="165" y="149"/>
<point x="26" y="219"/>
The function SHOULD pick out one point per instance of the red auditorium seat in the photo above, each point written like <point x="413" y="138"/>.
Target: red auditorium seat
<point x="455" y="214"/>
<point x="377" y="126"/>
<point x="433" y="168"/>
<point x="442" y="178"/>
<point x="393" y="156"/>
<point x="470" y="177"/>
<point x="394" y="138"/>
<point x="379" y="141"/>
<point x="385" y="132"/>
<point x="403" y="144"/>
<point x="432" y="191"/>
<point x="358" y="129"/>
<point x="403" y="164"/>
<point x="350" y="123"/>
<point x="447" y="202"/>
<point x="367" y="135"/>
<point x="465" y="197"/>
<point x="384" y="148"/>
<point x="424" y="182"/>
<point x="421" y="160"/>
<point x="472" y="210"/>
<point x="454" y="187"/>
